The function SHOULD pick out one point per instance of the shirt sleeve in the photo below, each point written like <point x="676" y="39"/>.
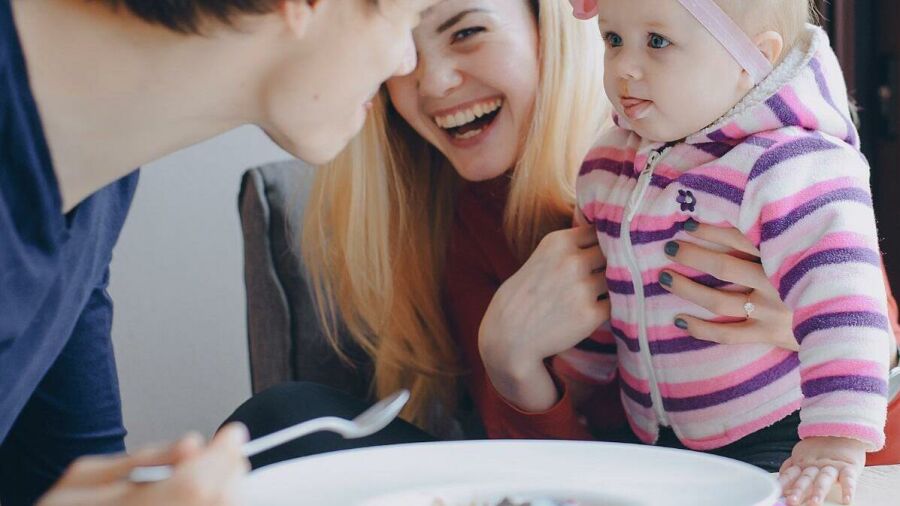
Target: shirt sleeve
<point x="75" y="411"/>
<point x="808" y="207"/>
<point x="469" y="288"/>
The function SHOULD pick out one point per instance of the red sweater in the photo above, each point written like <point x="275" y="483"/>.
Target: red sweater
<point x="478" y="262"/>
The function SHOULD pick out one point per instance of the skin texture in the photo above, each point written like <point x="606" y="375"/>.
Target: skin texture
<point x="656" y="51"/>
<point x="115" y="93"/>
<point x="489" y="53"/>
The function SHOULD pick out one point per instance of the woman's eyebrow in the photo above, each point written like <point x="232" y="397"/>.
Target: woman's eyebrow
<point x="456" y="19"/>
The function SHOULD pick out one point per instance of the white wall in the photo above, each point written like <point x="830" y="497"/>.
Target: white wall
<point x="177" y="284"/>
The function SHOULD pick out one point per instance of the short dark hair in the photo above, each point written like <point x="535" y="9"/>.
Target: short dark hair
<point x="187" y="16"/>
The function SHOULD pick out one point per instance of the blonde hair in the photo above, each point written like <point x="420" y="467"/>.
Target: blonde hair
<point x="379" y="215"/>
<point x="787" y="17"/>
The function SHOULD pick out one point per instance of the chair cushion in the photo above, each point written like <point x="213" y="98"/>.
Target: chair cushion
<point x="285" y="339"/>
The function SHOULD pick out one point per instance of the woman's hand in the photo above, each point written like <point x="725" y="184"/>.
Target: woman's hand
<point x="771" y="321"/>
<point x="204" y="475"/>
<point x="548" y="306"/>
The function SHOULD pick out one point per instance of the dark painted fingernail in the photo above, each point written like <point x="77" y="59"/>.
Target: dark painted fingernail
<point x="691" y="225"/>
<point x="672" y="248"/>
<point x="681" y="323"/>
<point x="603" y="296"/>
<point x="665" y="279"/>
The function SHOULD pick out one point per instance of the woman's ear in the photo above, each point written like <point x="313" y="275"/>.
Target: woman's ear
<point x="297" y="14"/>
<point x="771" y="44"/>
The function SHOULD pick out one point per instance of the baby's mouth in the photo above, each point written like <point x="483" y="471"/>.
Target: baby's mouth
<point x="468" y="123"/>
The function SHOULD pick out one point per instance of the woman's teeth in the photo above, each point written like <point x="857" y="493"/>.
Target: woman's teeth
<point x="462" y="118"/>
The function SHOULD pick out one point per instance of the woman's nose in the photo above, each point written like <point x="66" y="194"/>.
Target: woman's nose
<point x="438" y="77"/>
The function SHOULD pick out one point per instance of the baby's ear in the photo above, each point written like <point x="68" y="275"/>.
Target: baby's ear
<point x="771" y="44"/>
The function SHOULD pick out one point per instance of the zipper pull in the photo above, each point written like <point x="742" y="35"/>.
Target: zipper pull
<point x="651" y="159"/>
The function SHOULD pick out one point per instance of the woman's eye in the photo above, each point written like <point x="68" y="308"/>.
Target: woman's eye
<point x="466" y="33"/>
<point x="657" y="41"/>
<point x="613" y="39"/>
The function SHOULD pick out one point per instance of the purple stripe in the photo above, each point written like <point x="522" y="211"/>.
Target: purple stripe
<point x="638" y="397"/>
<point x="776" y="227"/>
<point x="664" y="347"/>
<point x="816" y="66"/>
<point x="660" y="181"/>
<point x="719" y="136"/>
<point x="654" y="289"/>
<point x="631" y="343"/>
<point x="679" y="345"/>
<point x="826" y="257"/>
<point x="608" y="165"/>
<point x="591" y="346"/>
<point x="613" y="229"/>
<point x="783" y="111"/>
<point x="850" y="383"/>
<point x="646" y="237"/>
<point x="713" y="186"/>
<point x="788" y="151"/>
<point x="716" y="149"/>
<point x="608" y="227"/>
<point x="761" y="380"/>
<point x="840" y="319"/>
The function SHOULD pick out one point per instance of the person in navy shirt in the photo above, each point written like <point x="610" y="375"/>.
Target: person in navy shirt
<point x="91" y="90"/>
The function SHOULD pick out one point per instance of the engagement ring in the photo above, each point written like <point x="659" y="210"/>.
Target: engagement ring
<point x="749" y="308"/>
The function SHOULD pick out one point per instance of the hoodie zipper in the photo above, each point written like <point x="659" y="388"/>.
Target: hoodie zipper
<point x="631" y="209"/>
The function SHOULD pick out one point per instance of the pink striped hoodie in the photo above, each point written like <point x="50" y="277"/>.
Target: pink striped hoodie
<point x="784" y="167"/>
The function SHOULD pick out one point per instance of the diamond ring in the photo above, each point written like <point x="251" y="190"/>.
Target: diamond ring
<point x="749" y="308"/>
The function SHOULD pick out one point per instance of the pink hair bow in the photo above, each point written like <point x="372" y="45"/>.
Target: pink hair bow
<point x="585" y="9"/>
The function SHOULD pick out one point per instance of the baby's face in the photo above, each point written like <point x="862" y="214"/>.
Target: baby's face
<point x="664" y="71"/>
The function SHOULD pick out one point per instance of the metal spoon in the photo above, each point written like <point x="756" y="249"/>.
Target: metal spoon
<point x="366" y="423"/>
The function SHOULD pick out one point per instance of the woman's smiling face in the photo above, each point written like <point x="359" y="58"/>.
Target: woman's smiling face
<point x="474" y="89"/>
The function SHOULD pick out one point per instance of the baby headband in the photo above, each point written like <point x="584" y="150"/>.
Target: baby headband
<point x="717" y="23"/>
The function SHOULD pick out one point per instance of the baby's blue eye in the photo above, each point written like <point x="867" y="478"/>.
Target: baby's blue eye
<point x="657" y="41"/>
<point x="613" y="39"/>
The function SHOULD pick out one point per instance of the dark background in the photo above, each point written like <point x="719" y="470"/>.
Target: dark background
<point x="866" y="37"/>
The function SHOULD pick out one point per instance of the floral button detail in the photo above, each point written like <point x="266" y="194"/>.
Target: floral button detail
<point x="687" y="200"/>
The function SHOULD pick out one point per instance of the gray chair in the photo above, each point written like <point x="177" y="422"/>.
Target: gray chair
<point x="285" y="339"/>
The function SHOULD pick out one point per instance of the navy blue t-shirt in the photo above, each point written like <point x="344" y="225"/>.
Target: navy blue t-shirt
<point x="59" y="396"/>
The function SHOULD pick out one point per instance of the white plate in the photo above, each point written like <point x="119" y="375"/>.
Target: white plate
<point x="599" y="474"/>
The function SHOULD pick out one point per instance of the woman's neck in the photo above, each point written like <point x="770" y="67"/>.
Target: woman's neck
<point x="115" y="93"/>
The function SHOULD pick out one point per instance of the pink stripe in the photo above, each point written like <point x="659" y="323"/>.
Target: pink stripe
<point x="619" y="155"/>
<point x="734" y="131"/>
<point x="837" y="304"/>
<point x="842" y="367"/>
<point x="735" y="433"/>
<point x="732" y="379"/>
<point x="864" y="433"/>
<point x="830" y="241"/>
<point x="597" y="210"/>
<point x="640" y="385"/>
<point x="783" y="207"/>
<point x="642" y="434"/>
<point x="807" y="118"/>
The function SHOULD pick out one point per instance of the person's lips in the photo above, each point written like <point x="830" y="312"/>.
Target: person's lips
<point x="635" y="108"/>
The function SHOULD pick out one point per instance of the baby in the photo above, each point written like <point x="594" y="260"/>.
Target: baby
<point x="735" y="113"/>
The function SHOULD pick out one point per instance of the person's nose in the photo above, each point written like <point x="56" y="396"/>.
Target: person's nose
<point x="409" y="61"/>
<point x="627" y="65"/>
<point x="438" y="76"/>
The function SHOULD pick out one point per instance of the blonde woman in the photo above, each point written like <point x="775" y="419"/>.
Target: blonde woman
<point x="442" y="239"/>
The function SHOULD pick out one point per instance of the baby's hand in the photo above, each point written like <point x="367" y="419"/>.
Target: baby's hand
<point x="816" y="463"/>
